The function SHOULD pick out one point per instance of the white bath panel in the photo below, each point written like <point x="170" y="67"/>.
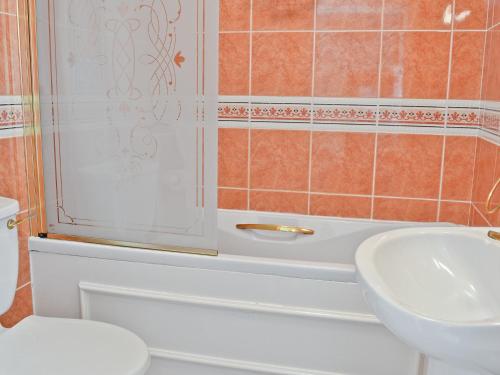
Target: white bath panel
<point x="250" y="334"/>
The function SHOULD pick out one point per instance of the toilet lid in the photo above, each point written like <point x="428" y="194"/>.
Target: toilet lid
<point x="52" y="346"/>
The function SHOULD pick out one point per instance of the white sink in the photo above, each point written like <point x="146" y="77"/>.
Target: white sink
<point x="437" y="289"/>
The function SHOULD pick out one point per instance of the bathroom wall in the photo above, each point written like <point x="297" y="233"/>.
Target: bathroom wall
<point x="365" y="108"/>
<point x="12" y="160"/>
<point x="487" y="170"/>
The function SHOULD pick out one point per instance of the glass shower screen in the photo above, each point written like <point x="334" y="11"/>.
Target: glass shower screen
<point x="128" y="99"/>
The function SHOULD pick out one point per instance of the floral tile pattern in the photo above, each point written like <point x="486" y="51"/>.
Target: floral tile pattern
<point x="10" y="115"/>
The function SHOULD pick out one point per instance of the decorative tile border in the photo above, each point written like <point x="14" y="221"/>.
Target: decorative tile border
<point x="11" y="115"/>
<point x="344" y="114"/>
<point x="280" y="112"/>
<point x="234" y="111"/>
<point x="412" y="116"/>
<point x="468" y="117"/>
<point x="408" y="113"/>
<point x="490" y="118"/>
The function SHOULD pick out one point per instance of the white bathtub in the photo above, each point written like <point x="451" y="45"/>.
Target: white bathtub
<point x="270" y="303"/>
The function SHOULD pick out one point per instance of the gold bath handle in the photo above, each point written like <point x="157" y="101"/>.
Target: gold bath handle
<point x="12" y="223"/>
<point x="489" y="209"/>
<point x="276" y="228"/>
<point x="494" y="235"/>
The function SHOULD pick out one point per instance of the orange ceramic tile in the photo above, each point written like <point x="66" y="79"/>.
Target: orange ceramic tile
<point x="8" y="6"/>
<point x="488" y="70"/>
<point x="477" y="220"/>
<point x="496" y="12"/>
<point x="491" y="80"/>
<point x="283" y="14"/>
<point x="271" y="201"/>
<point x="24" y="260"/>
<point x="458" y="168"/>
<point x="279" y="159"/>
<point x="405" y="210"/>
<point x="342" y="162"/>
<point x="282" y="64"/>
<point x="471" y="14"/>
<point x="234" y="15"/>
<point x="418" y="14"/>
<point x="13" y="170"/>
<point x="22" y="307"/>
<point x="13" y="173"/>
<point x="484" y="171"/>
<point x="484" y="180"/>
<point x="467" y="65"/>
<point x="348" y="14"/>
<point x="232" y="199"/>
<point x="7" y="167"/>
<point x="491" y="15"/>
<point x="233" y="158"/>
<point x="347" y="64"/>
<point x="341" y="206"/>
<point x="10" y="76"/>
<point x="408" y="165"/>
<point x="21" y="174"/>
<point x="456" y="213"/>
<point x="234" y="64"/>
<point x="494" y="218"/>
<point x="415" y="65"/>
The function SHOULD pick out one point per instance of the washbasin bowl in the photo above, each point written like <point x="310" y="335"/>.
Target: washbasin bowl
<point x="437" y="289"/>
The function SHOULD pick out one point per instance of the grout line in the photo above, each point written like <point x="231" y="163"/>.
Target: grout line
<point x="469" y="215"/>
<point x="350" y="31"/>
<point x="24" y="285"/>
<point x="377" y="123"/>
<point x="447" y="110"/>
<point x="481" y="214"/>
<point x="313" y="90"/>
<point x="474" y="170"/>
<point x="483" y="65"/>
<point x="492" y="15"/>
<point x="493" y="175"/>
<point x="250" y="88"/>
<point x="476" y="146"/>
<point x="343" y="194"/>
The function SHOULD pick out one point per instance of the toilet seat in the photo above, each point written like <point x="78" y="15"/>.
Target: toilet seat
<point x="53" y="346"/>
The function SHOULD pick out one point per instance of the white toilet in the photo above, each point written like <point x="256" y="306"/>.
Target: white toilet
<point x="53" y="346"/>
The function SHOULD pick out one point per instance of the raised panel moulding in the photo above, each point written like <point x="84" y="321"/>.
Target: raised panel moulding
<point x="87" y="288"/>
<point x="252" y="367"/>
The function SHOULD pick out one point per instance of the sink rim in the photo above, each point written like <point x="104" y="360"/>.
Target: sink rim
<point x="368" y="275"/>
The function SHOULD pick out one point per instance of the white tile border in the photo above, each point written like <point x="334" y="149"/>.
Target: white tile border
<point x="11" y="132"/>
<point x="11" y="100"/>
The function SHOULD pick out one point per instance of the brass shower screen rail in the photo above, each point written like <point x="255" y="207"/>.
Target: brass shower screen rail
<point x="276" y="228"/>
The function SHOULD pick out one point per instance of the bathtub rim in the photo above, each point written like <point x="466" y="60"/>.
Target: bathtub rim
<point x="338" y="272"/>
<point x="224" y="262"/>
